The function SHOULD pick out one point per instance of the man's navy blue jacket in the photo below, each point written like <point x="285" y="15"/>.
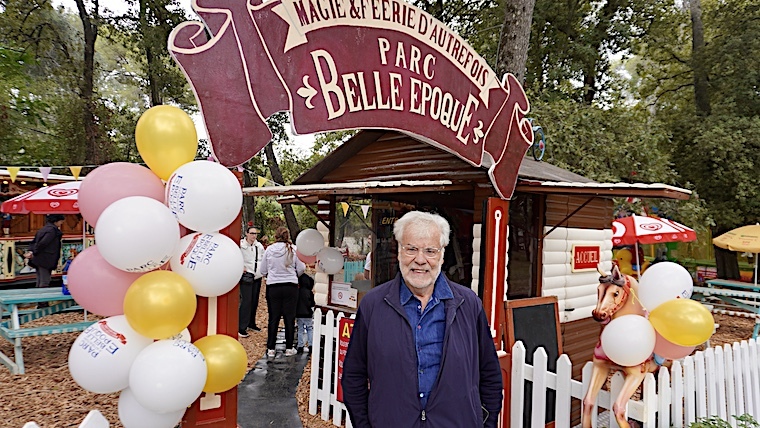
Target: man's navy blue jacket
<point x="468" y="390"/>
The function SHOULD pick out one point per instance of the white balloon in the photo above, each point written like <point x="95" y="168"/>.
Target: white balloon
<point x="309" y="242"/>
<point x="168" y="376"/>
<point x="211" y="262"/>
<point x="134" y="415"/>
<point x="204" y="196"/>
<point x="184" y="335"/>
<point x="137" y="234"/>
<point x="628" y="340"/>
<point x="101" y="357"/>
<point x="662" y="282"/>
<point x="329" y="260"/>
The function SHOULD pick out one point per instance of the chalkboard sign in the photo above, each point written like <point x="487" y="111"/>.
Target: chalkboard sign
<point x="535" y="322"/>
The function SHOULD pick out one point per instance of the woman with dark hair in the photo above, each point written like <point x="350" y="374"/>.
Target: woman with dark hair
<point x="282" y="268"/>
<point x="45" y="250"/>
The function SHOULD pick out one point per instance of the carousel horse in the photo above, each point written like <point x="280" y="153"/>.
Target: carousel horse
<point x="616" y="296"/>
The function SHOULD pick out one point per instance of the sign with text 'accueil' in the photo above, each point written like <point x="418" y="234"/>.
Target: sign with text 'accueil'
<point x="347" y="64"/>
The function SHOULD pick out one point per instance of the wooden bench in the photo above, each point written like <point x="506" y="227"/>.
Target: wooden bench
<point x="44" y="330"/>
<point x="13" y="319"/>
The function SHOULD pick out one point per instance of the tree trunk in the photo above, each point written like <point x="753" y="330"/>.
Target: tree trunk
<point x="515" y="35"/>
<point x="595" y="64"/>
<point x="287" y="209"/>
<point x="93" y="149"/>
<point x="150" y="59"/>
<point x="249" y="203"/>
<point x="701" y="83"/>
<point x="727" y="264"/>
<point x="725" y="260"/>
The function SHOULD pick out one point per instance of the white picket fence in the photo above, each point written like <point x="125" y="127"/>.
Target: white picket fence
<point x="324" y="369"/>
<point x="721" y="381"/>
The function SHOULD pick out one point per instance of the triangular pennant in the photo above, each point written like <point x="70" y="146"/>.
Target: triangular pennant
<point x="344" y="205"/>
<point x="75" y="170"/>
<point x="13" y="171"/>
<point x="45" y="171"/>
<point x="261" y="180"/>
<point x="365" y="210"/>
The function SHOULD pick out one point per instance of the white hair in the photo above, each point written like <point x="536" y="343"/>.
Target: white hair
<point x="424" y="221"/>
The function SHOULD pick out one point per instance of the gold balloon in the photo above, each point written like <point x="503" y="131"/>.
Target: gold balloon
<point x="159" y="304"/>
<point x="166" y="139"/>
<point x="684" y="322"/>
<point x="226" y="362"/>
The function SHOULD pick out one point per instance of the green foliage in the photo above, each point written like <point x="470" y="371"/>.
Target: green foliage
<point x="724" y="162"/>
<point x="605" y="145"/>
<point x="743" y="421"/>
<point x="143" y="32"/>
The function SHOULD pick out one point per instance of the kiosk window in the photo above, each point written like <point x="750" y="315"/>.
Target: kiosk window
<point x="523" y="246"/>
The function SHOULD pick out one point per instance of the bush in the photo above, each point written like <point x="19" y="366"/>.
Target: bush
<point x="744" y="421"/>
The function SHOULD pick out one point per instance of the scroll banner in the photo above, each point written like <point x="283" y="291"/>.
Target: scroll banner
<point x="348" y="64"/>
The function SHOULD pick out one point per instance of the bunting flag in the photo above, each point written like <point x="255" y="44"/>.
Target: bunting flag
<point x="365" y="210"/>
<point x="344" y="205"/>
<point x="261" y="181"/>
<point x="75" y="170"/>
<point x="13" y="171"/>
<point x="45" y="171"/>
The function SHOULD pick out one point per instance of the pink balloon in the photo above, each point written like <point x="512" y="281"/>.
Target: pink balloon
<point x="108" y="183"/>
<point x="670" y="350"/>
<point x="309" y="260"/>
<point x="96" y="285"/>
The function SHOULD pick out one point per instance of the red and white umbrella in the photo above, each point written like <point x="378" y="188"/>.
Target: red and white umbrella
<point x="57" y="199"/>
<point x="649" y="230"/>
<point x="635" y="230"/>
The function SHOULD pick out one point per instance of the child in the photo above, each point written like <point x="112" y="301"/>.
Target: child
<point x="304" y="313"/>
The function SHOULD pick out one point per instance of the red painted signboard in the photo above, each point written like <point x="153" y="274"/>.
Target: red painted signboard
<point x="585" y="257"/>
<point x="347" y="64"/>
<point x="345" y="327"/>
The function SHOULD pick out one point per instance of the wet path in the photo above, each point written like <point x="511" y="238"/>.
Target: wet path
<point x="266" y="397"/>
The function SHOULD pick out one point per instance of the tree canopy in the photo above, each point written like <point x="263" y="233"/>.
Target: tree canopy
<point x="626" y="90"/>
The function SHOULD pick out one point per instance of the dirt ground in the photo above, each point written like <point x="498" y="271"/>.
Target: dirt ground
<point x="48" y="395"/>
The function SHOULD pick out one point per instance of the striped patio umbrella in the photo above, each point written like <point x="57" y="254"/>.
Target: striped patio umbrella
<point x="635" y="230"/>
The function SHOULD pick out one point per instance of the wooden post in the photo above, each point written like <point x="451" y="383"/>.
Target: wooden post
<point x="494" y="259"/>
<point x="216" y="410"/>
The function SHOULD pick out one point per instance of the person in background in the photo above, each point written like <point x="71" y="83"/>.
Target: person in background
<point x="282" y="269"/>
<point x="305" y="313"/>
<point x="45" y="250"/>
<point x="250" y="283"/>
<point x="368" y="260"/>
<point x="421" y="323"/>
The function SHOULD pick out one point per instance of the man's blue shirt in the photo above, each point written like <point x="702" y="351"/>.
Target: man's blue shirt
<point x="429" y="327"/>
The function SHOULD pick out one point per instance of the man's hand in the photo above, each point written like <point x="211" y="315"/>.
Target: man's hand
<point x="28" y="255"/>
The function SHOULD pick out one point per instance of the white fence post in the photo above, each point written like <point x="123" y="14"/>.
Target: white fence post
<point x="518" y="379"/>
<point x="564" y="391"/>
<point x="664" y="398"/>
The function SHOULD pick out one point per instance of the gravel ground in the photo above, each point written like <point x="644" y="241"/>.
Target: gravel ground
<point x="49" y="396"/>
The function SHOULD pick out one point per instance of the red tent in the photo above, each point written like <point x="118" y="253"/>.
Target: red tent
<point x="57" y="199"/>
